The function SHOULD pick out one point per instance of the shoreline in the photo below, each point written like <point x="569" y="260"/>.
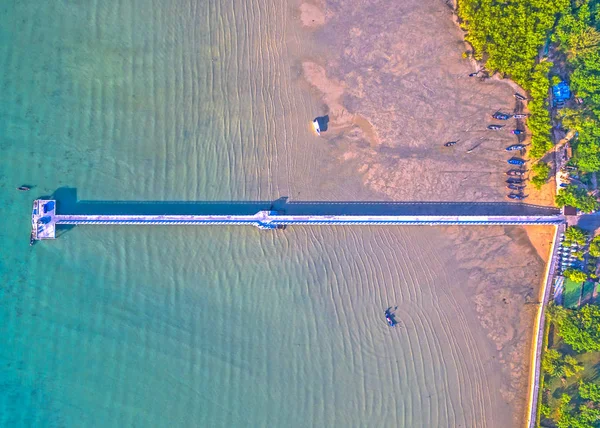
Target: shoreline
<point x="537" y="348"/>
<point x="545" y="195"/>
<point x="381" y="153"/>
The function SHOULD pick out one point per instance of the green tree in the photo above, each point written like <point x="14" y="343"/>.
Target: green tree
<point x="589" y="391"/>
<point x="557" y="365"/>
<point x="541" y="171"/>
<point x="564" y="412"/>
<point x="551" y="363"/>
<point x="575" y="275"/>
<point x="555" y="80"/>
<point x="578" y="198"/>
<point x="576" y="235"/>
<point x="509" y="36"/>
<point x="571" y="366"/>
<point x="585" y="417"/>
<point x="595" y="247"/>
<point x="545" y="410"/>
<point x="578" y="36"/>
<point x="579" y="328"/>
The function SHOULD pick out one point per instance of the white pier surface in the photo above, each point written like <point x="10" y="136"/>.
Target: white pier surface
<point x="45" y="219"/>
<point x="43" y="225"/>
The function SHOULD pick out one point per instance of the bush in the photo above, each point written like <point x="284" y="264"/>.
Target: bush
<point x="545" y="410"/>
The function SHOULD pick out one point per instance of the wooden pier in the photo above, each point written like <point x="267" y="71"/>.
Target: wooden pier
<point x="44" y="220"/>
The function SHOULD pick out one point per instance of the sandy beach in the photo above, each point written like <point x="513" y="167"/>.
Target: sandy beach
<point x="397" y="91"/>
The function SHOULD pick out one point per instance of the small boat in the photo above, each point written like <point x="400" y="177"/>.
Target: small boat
<point x="515" y="147"/>
<point x="517" y="131"/>
<point x="519" y="116"/>
<point x="516" y="161"/>
<point x="513" y="180"/>
<point x="31" y="239"/>
<point x="495" y="127"/>
<point x="23" y="188"/>
<point x="515" y="172"/>
<point x="501" y="116"/>
<point x="516" y="196"/>
<point x="450" y="143"/>
<point x="520" y="97"/>
<point x="316" y="126"/>
<point x="389" y="317"/>
<point x="515" y="187"/>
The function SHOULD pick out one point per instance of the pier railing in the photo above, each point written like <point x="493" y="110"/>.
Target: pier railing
<point x="45" y="219"/>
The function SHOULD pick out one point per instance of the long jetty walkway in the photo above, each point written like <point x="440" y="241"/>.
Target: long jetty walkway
<point x="45" y="219"/>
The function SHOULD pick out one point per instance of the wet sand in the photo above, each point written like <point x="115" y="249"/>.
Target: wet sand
<point x="396" y="88"/>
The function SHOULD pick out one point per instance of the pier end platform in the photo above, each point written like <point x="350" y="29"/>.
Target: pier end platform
<point x="43" y="223"/>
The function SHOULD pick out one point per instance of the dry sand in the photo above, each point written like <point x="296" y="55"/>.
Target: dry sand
<point x="398" y="90"/>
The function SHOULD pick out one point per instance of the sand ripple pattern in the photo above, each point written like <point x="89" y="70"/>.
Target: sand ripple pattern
<point x="140" y="326"/>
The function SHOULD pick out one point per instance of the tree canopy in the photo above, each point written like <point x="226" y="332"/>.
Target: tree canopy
<point x="541" y="172"/>
<point x="575" y="275"/>
<point x="576" y="197"/>
<point x="579" y="328"/>
<point x="571" y="417"/>
<point x="579" y="38"/>
<point x="557" y="365"/>
<point x="574" y="234"/>
<point x="595" y="247"/>
<point x="589" y="391"/>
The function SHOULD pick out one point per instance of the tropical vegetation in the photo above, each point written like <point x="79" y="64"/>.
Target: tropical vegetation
<point x="541" y="172"/>
<point x="595" y="247"/>
<point x="575" y="235"/>
<point x="575" y="275"/>
<point x="508" y="36"/>
<point x="579" y="39"/>
<point x="571" y="394"/>
<point x="558" y="365"/>
<point x="579" y="328"/>
<point x="576" y="197"/>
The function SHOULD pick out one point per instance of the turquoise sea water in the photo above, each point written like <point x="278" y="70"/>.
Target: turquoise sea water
<point x="140" y="326"/>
